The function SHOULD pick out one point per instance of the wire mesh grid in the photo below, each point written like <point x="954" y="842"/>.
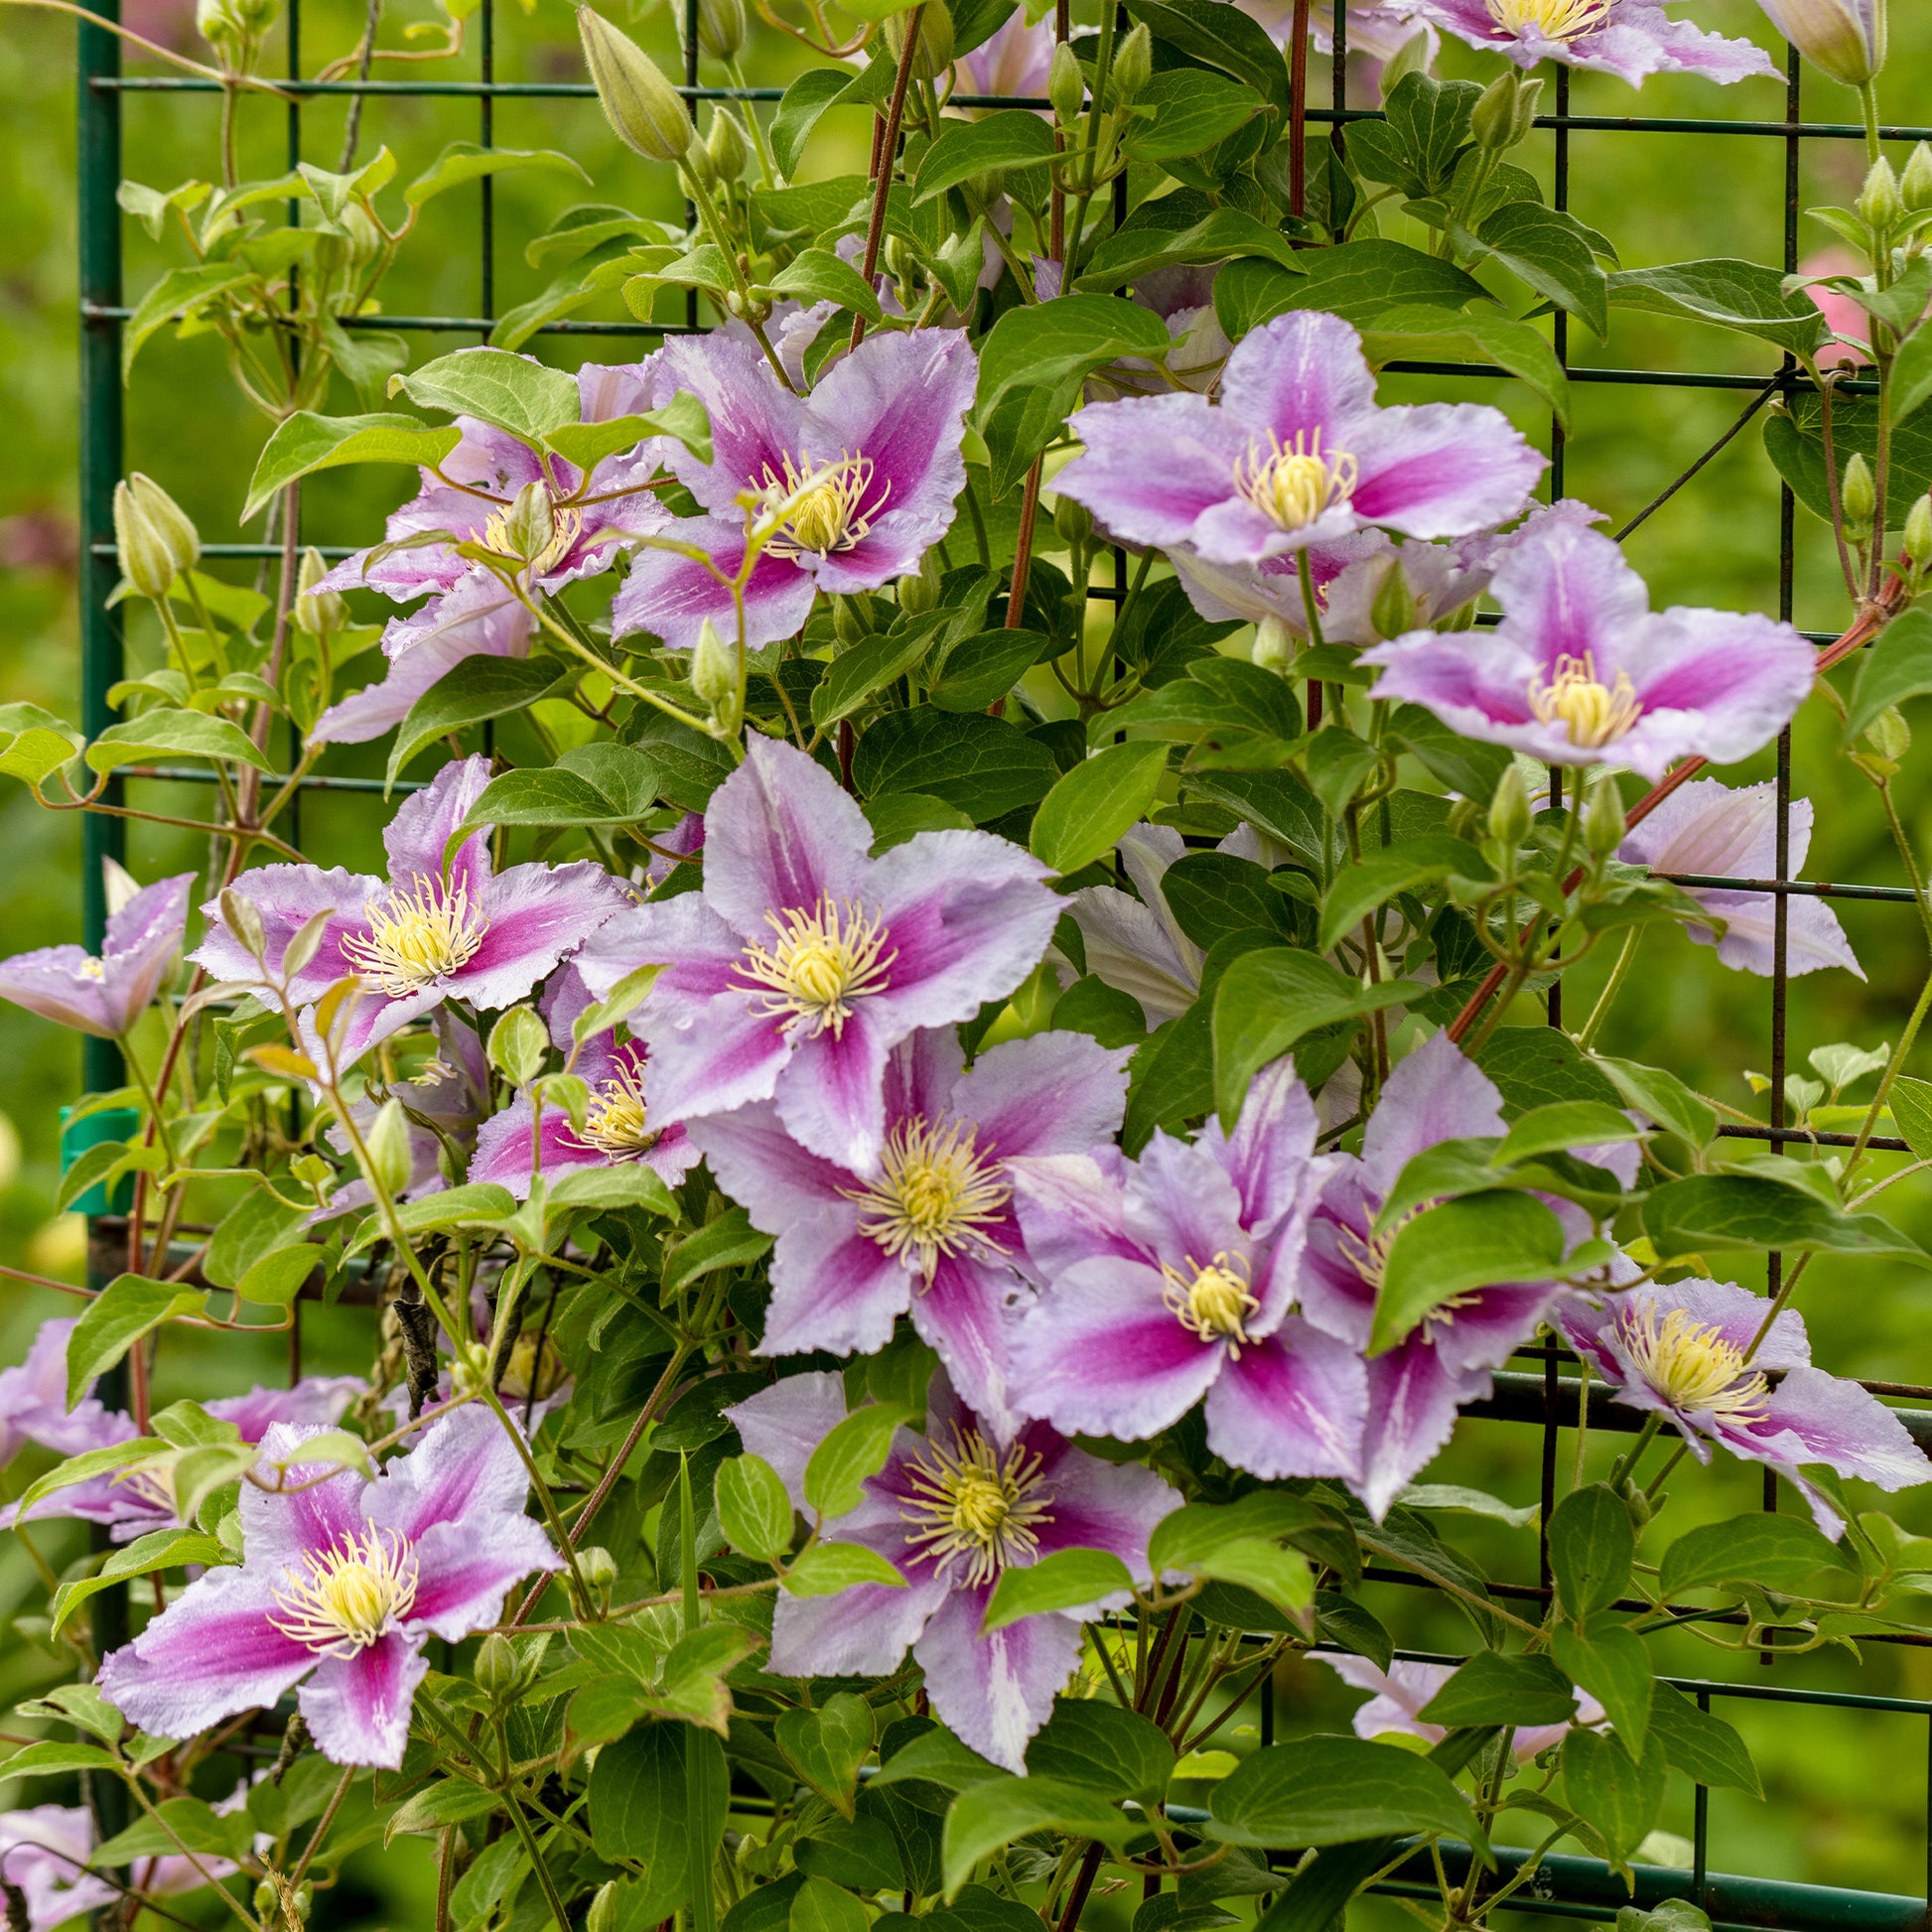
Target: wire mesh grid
<point x="1544" y="1398"/>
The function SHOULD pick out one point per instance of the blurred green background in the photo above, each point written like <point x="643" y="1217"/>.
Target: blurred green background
<point x="1847" y="1790"/>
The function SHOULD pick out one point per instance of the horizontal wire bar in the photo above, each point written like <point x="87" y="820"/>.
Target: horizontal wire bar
<point x="1788" y="888"/>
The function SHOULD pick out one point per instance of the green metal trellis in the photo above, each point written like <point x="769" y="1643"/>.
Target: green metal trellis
<point x="1565" y="1888"/>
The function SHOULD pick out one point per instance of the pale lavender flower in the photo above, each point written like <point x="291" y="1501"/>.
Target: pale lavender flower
<point x="43" y="1854"/>
<point x="875" y="449"/>
<point x="106" y="995"/>
<point x="1014" y="60"/>
<point x="953" y="1510"/>
<point x="1401" y="1692"/>
<point x="1708" y="827"/>
<point x="1682" y="1351"/>
<point x="343" y="1585"/>
<point x="1631" y="39"/>
<point x="1298" y="452"/>
<point x="1173" y="1277"/>
<point x="685" y="839"/>
<point x="1375" y="32"/>
<point x="616" y="1125"/>
<point x="33" y="1401"/>
<point x="1844" y="38"/>
<point x="1582" y="671"/>
<point x="803" y="961"/>
<point x="422" y="936"/>
<point x="934" y="1231"/>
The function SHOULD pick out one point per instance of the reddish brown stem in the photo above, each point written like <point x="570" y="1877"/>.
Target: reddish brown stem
<point x="1298" y="111"/>
<point x="1022" y="554"/>
<point x="885" y="150"/>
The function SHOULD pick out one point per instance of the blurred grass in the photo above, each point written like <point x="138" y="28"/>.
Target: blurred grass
<point x="1845" y="1791"/>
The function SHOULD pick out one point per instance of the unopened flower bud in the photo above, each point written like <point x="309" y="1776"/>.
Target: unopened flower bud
<point x="851" y="621"/>
<point x="1073" y="522"/>
<point x="697" y="164"/>
<point x="725" y="144"/>
<point x="599" y="1569"/>
<point x="470" y="1369"/>
<point x="1274" y="647"/>
<point x="318" y="613"/>
<point x="1603" y="821"/>
<point x="1132" y="67"/>
<point x="721" y="28"/>
<point x="602" y="1915"/>
<point x="496" y="1668"/>
<point x="1392" y="611"/>
<point x="1918" y="534"/>
<point x="1501" y="119"/>
<point x="387" y="1142"/>
<point x="1915" y="184"/>
<point x="1844" y="38"/>
<point x="642" y="108"/>
<point x="1066" y="86"/>
<point x="1889" y="734"/>
<point x="1879" y="204"/>
<point x="918" y="590"/>
<point x="933" y="55"/>
<point x="153" y="535"/>
<point x="1857" y="497"/>
<point x="714" y="668"/>
<point x="1509" y="810"/>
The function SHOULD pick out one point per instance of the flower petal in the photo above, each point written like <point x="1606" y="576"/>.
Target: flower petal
<point x="994" y="1691"/>
<point x="1435" y="1094"/>
<point x="1055" y="1093"/>
<point x="358" y="1708"/>
<point x="1412" y="1403"/>
<point x="1292" y="1405"/>
<point x="466" y="1568"/>
<point x="465" y="1469"/>
<point x="670" y="596"/>
<point x="1143" y="502"/>
<point x="785" y="1423"/>
<point x="1300" y="375"/>
<point x="537" y="915"/>
<point x="1443" y="469"/>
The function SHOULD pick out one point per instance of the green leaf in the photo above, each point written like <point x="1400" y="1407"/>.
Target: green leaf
<point x="178" y="734"/>
<point x="1911" y="1112"/>
<point x="1067" y="1579"/>
<point x="623" y="1184"/>
<point x="1592" y="1547"/>
<point x="1561" y="1126"/>
<point x="276" y="1279"/>
<point x="1090" y="1741"/>
<point x="1478" y="1240"/>
<point x="826" y="1747"/>
<point x="305" y="443"/>
<point x="1101" y="798"/>
<point x="524" y="399"/>
<point x="1399" y="868"/>
<point x="1495" y="1689"/>
<point x="1014" y="137"/>
<point x="1269" y="999"/>
<point x="468" y="693"/>
<point x="1185" y="112"/>
<point x="1420" y="333"/>
<point x="804" y="101"/>
<point x="1911" y="374"/>
<point x="935" y="1757"/>
<point x="594" y="784"/>
<point x="1794" y="441"/>
<point x="1358" y="281"/>
<point x="1714" y="1212"/>
<point x="641" y="1810"/>
<point x="852" y="1450"/>
<point x="1330" y="1790"/>
<point x="1665" y="1098"/>
<point x="1620" y="1796"/>
<point x="1786" y="1554"/>
<point x="1705" y="1749"/>
<point x="1612" y="1665"/>
<point x="981" y="767"/>
<point x="158" y="1550"/>
<point x="1898" y="666"/>
<point x="128" y="1308"/>
<point x="754" y="1511"/>
<point x="475" y="1203"/>
<point x="1225" y="235"/>
<point x="730" y="1241"/>
<point x="1239" y="47"/>
<point x="869" y="666"/>
<point x="89" y="1464"/>
<point x="982" y="669"/>
<point x="56" y="1759"/>
<point x="818" y="275"/>
<point x="1741" y="296"/>
<point x="1541" y="247"/>
<point x="449" y="1801"/>
<point x="462" y="162"/>
<point x="818" y="1905"/>
<point x="180" y="293"/>
<point x="828" y="1568"/>
<point x="34" y="743"/>
<point x="684" y="417"/>
<point x="987" y="1817"/>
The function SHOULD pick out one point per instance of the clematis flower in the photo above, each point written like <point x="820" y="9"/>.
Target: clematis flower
<point x="1415" y="1389"/>
<point x="1183" y="298"/>
<point x="487" y="469"/>
<point x="1631" y="39"/>
<point x="1173" y="1277"/>
<point x="953" y="1510"/>
<point x="1683" y="1352"/>
<point x="1711" y="828"/>
<point x="934" y="1230"/>
<point x="43" y="1854"/>
<point x="480" y="618"/>
<point x="341" y="1586"/>
<point x="1582" y="671"/>
<point x="803" y="961"/>
<point x="421" y="937"/>
<point x="1014" y="60"/>
<point x="1296" y="452"/>
<point x="105" y="995"/>
<point x="872" y="458"/>
<point x="616" y="1125"/>
<point x="1406" y="1687"/>
<point x="1376" y="31"/>
<point x="34" y="1399"/>
<point x="1844" y="38"/>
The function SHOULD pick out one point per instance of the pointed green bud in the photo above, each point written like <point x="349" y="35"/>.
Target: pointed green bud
<point x="496" y="1670"/>
<point x="1844" y="38"/>
<point x="1274" y="645"/>
<point x="1073" y="520"/>
<point x="1915" y="184"/>
<point x="918" y="590"/>
<point x="318" y="613"/>
<point x="390" y="1155"/>
<point x="153" y="535"/>
<point x="1066" y="86"/>
<point x="851" y="621"/>
<point x="933" y="55"/>
<point x="1918" y="534"/>
<point x="1603" y="821"/>
<point x="602" y="1915"/>
<point x="725" y="146"/>
<point x="1132" y="67"/>
<point x="1392" y="611"/>
<point x="721" y="26"/>
<point x="1501" y="119"/>
<point x="714" y="668"/>
<point x="1879" y="204"/>
<point x="599" y="1569"/>
<point x="646" y="111"/>
<point x="1509" y="810"/>
<point x="1857" y="497"/>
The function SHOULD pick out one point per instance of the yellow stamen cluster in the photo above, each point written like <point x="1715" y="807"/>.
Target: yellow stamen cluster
<point x="1592" y="712"/>
<point x="936" y="1195"/>
<point x="820" y="963"/>
<point x="1214" y="1300"/>
<point x="419" y="938"/>
<point x="1691" y="1364"/>
<point x="613" y="1122"/>
<point x="501" y="533"/>
<point x="1367" y="1254"/>
<point x="976" y="1506"/>
<point x="1554" y="20"/>
<point x="1292" y="485"/>
<point x="831" y="504"/>
<point x="91" y="969"/>
<point x="346" y="1597"/>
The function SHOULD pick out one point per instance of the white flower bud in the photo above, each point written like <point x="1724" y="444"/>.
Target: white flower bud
<point x="1879" y="203"/>
<point x="1915" y="184"/>
<point x="1273" y="647"/>
<point x="1918" y="534"/>
<point x="1509" y="811"/>
<point x="318" y="613"/>
<point x="1392" y="611"/>
<point x="1066" y="86"/>
<point x="1844" y="38"/>
<point x="714" y="667"/>
<point x="153" y="535"/>
<point x="724" y="144"/>
<point x="933" y="56"/>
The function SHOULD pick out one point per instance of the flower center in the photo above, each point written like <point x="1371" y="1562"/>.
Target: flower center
<point x="1692" y="1365"/>
<point x="1214" y="1301"/>
<point x="976" y="1506"/>
<point x="1292" y="485"/>
<point x="1554" y="20"/>
<point x="936" y="1195"/>
<point x="829" y="504"/>
<point x="1367" y="1254"/>
<point x="821" y="962"/>
<point x="613" y="1122"/>
<point x="352" y="1593"/>
<point x="1592" y="712"/>
<point x="91" y="969"/>
<point x="512" y="533"/>
<point x="415" y="939"/>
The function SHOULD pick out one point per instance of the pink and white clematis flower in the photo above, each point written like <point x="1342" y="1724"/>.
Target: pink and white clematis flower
<point x="106" y="995"/>
<point x="1631" y="39"/>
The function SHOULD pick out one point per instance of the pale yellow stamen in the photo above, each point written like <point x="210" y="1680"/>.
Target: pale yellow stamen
<point x="91" y="969"/>
<point x="350" y="1594"/>
<point x="1292" y="485"/>
<point x="936" y="1195"/>
<point x="1367" y="1254"/>
<point x="566" y="527"/>
<point x="976" y="1506"/>
<point x="823" y="960"/>
<point x="1214" y="1300"/>
<point x="1592" y="712"/>
<point x="832" y="503"/>
<point x="417" y="939"/>
<point x="1554" y="20"/>
<point x="1691" y="1364"/>
<point x="613" y="1122"/>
